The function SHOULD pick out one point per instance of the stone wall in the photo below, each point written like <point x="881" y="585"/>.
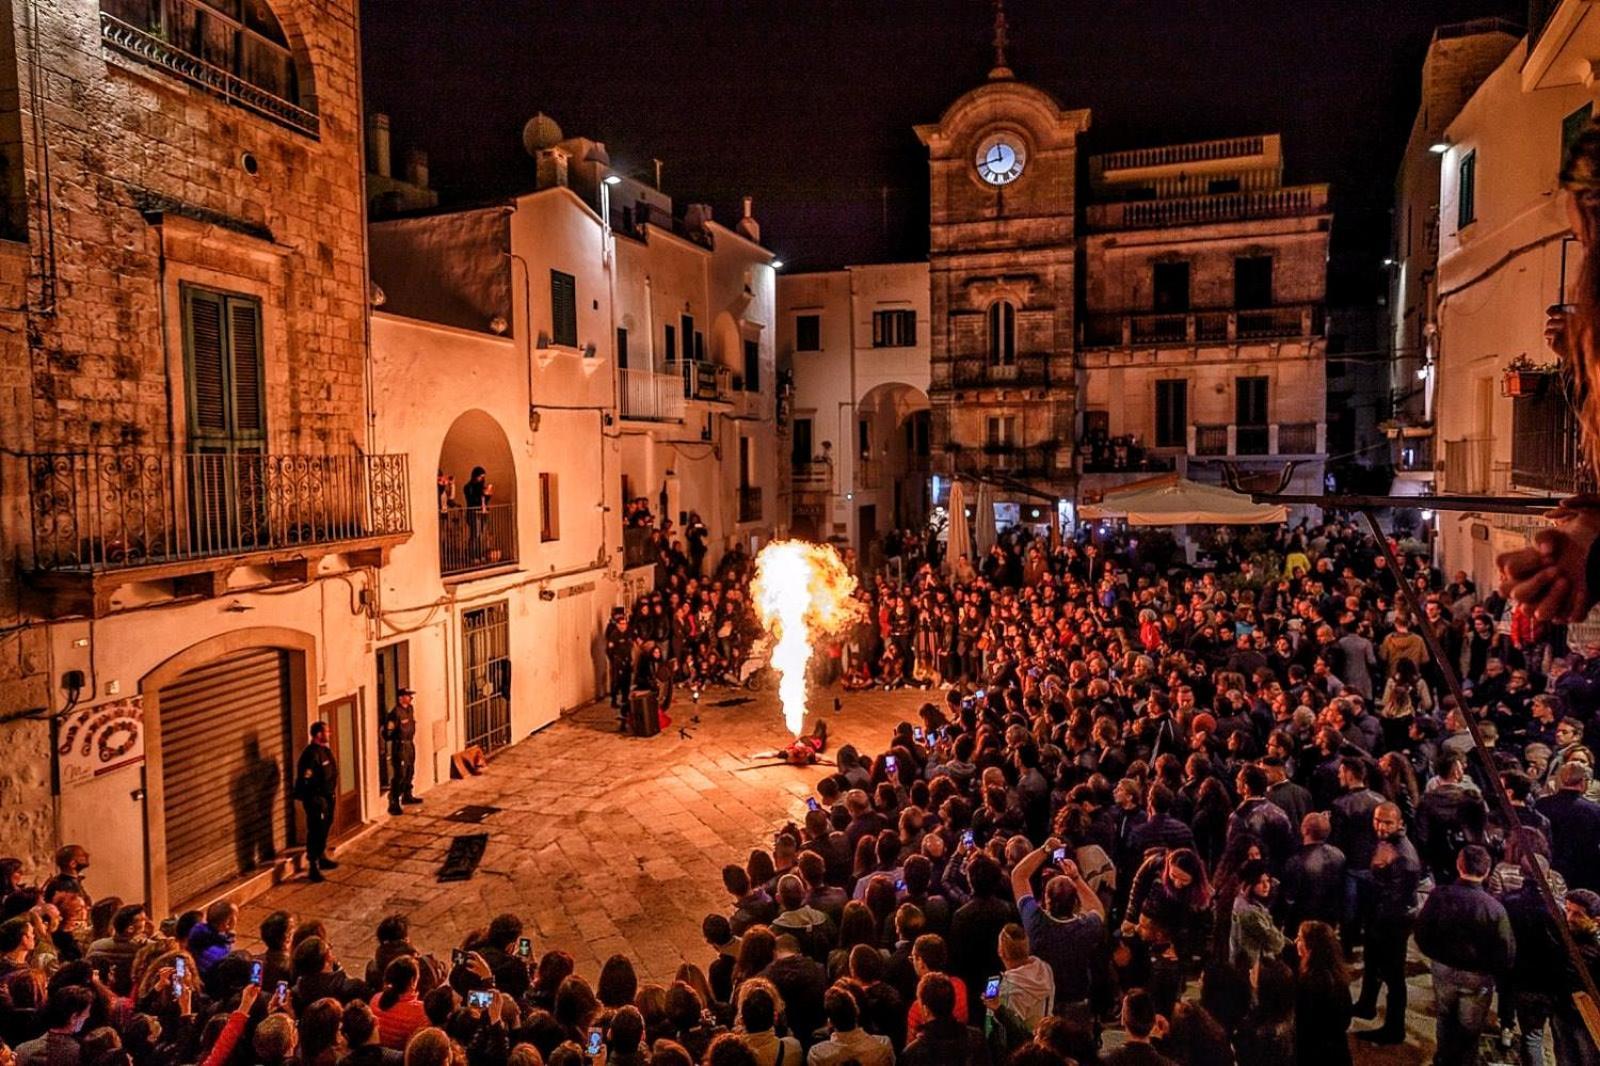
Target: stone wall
<point x="125" y="139"/>
<point x="135" y="182"/>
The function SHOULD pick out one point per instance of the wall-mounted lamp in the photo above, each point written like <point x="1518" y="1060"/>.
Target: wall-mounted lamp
<point x="1440" y="147"/>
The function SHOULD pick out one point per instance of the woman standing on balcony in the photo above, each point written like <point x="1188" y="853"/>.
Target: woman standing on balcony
<point x="1559" y="576"/>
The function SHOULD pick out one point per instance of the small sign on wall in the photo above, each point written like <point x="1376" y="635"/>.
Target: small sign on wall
<point x="97" y="740"/>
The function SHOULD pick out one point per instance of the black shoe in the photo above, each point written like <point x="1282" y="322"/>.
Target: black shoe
<point x="394" y="808"/>
<point x="1364" y="1011"/>
<point x="315" y="876"/>
<point x="1382" y="1036"/>
<point x="411" y="801"/>
<point x="327" y="863"/>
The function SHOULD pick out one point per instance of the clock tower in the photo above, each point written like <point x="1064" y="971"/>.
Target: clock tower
<point x="1003" y="162"/>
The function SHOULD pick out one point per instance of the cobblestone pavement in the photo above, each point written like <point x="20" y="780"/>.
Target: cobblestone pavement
<point x="606" y="843"/>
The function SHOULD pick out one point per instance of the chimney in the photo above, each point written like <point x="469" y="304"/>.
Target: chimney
<point x="378" y="144"/>
<point x="417" y="167"/>
<point x="748" y="227"/>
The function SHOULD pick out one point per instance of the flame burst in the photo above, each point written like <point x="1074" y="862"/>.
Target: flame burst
<point x="801" y="590"/>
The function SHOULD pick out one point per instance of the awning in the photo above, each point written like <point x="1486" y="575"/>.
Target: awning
<point x="1175" y="501"/>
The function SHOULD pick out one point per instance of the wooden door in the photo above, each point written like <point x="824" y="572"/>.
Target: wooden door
<point x="343" y="719"/>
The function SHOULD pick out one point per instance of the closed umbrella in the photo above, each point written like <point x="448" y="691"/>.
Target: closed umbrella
<point x="984" y="531"/>
<point x="960" y="545"/>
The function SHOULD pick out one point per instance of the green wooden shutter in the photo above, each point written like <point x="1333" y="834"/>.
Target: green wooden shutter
<point x="244" y="343"/>
<point x="205" y="353"/>
<point x="563" y="309"/>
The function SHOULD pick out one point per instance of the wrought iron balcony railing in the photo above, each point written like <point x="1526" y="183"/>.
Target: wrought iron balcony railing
<point x="1194" y="328"/>
<point x="477" y="538"/>
<point x="118" y="509"/>
<point x="1028" y="370"/>
<point x="153" y="43"/>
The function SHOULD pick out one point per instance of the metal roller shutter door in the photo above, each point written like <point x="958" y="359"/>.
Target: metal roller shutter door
<point x="225" y="769"/>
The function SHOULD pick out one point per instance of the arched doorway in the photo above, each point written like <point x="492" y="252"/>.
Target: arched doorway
<point x="477" y="529"/>
<point x="891" y="461"/>
<point x="224" y="720"/>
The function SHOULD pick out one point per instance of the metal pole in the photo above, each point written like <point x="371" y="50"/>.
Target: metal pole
<point x="1487" y="504"/>
<point x="1495" y="788"/>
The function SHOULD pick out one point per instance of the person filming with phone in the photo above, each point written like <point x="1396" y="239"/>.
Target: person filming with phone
<point x="1068" y="930"/>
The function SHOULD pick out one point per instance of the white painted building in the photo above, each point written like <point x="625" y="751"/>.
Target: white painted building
<point x="1505" y="256"/>
<point x="857" y="343"/>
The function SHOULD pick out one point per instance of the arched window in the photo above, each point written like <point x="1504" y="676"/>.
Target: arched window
<point x="1002" y="334"/>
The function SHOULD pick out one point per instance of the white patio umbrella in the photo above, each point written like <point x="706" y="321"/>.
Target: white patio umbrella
<point x="960" y="543"/>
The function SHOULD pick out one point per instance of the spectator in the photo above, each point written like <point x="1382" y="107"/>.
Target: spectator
<point x="1467" y="935"/>
<point x="847" y="1041"/>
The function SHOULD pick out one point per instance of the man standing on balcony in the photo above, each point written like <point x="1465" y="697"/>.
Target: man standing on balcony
<point x="399" y="735"/>
<point x="479" y="494"/>
<point x="316" y="780"/>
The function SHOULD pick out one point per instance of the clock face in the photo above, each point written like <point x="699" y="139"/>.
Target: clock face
<point x="1001" y="158"/>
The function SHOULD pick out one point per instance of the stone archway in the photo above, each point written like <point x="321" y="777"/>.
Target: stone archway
<point x="890" y="459"/>
<point x="472" y="538"/>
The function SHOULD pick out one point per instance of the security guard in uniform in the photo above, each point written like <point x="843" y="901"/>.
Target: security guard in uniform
<point x="400" y="743"/>
<point x="316" y="782"/>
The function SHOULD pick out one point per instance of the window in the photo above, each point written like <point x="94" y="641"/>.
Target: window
<point x="864" y="438"/>
<point x="549" y="508"/>
<point x="1002" y="334"/>
<point x="1573" y="125"/>
<point x="1172" y="414"/>
<point x="1002" y="432"/>
<point x="699" y="346"/>
<point x="223" y="371"/>
<point x="243" y="40"/>
<point x="752" y="366"/>
<point x="1467" y="190"/>
<point x="800" y="442"/>
<point x="687" y="325"/>
<point x="563" y="309"/>
<point x="747" y="462"/>
<point x="1252" y="282"/>
<point x="808" y="333"/>
<point x="894" y="329"/>
<point x="671" y="345"/>
<point x="1250" y="406"/>
<point x="622" y="348"/>
<point x="1169" y="283"/>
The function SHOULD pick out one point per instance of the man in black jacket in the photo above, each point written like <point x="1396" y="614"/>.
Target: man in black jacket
<point x="1574" y="828"/>
<point x="1313" y="882"/>
<point x="316" y="777"/>
<point x="1467" y="935"/>
<point x="1394" y="874"/>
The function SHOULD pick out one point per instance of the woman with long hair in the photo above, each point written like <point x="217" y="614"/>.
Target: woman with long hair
<point x="1322" y="1007"/>
<point x="1398" y="783"/>
<point x="398" y="1009"/>
<point x="757" y="949"/>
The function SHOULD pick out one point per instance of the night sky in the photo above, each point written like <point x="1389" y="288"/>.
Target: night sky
<point x="808" y="104"/>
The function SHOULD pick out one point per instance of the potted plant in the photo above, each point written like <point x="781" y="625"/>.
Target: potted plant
<point x="1524" y="378"/>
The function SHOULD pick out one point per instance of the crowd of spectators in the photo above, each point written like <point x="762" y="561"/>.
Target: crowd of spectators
<point x="1147" y="817"/>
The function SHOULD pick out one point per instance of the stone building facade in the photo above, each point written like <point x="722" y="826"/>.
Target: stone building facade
<point x="194" y="513"/>
<point x="1167" y="316"/>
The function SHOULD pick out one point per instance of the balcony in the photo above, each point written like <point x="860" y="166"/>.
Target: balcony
<point x="1000" y="457"/>
<point x="703" y="380"/>
<point x="638" y="546"/>
<point x="108" y="518"/>
<point x="481" y="538"/>
<point x="146" y="30"/>
<point x="749" y="503"/>
<point x="1031" y="370"/>
<point x="1172" y="154"/>
<point x="1120" y="455"/>
<point x="651" y="397"/>
<point x="1545" y="448"/>
<point x="1206" y="210"/>
<point x="1289" y="439"/>
<point x="815" y="475"/>
<point x="1195" y="328"/>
